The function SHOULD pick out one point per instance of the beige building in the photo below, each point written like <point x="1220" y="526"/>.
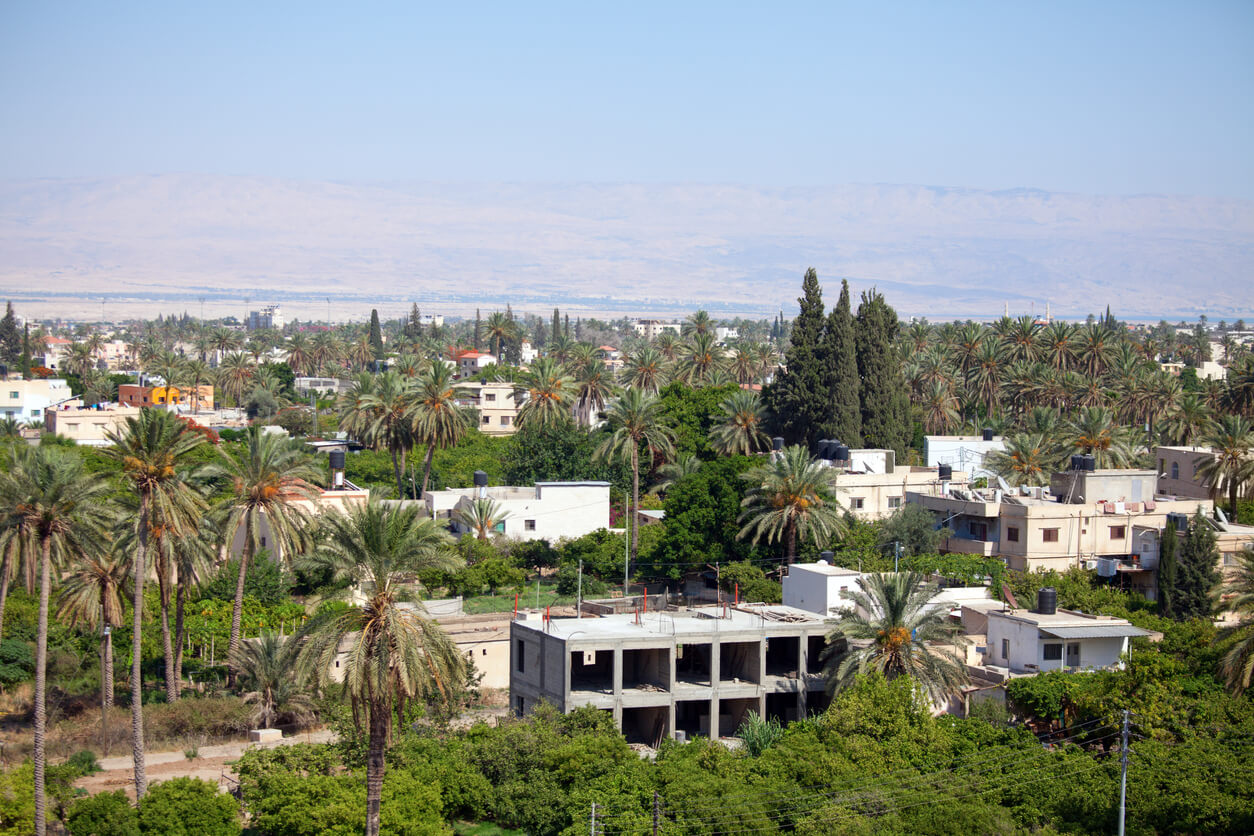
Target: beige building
<point x="871" y="485"/>
<point x="653" y="328"/>
<point x="498" y="412"/>
<point x="88" y="425"/>
<point x="328" y="500"/>
<point x="26" y="400"/>
<point x="1178" y="471"/>
<point x="1083" y="518"/>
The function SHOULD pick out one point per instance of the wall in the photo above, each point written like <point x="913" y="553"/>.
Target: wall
<point x="88" y="426"/>
<point x="1186" y="460"/>
<point x="817" y="591"/>
<point x="25" y="400"/>
<point x="961" y="452"/>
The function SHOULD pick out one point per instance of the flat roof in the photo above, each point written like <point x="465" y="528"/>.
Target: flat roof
<point x="680" y="625"/>
<point x="1096" y="631"/>
<point x="823" y="568"/>
<point x="588" y="484"/>
<point x="1062" y="618"/>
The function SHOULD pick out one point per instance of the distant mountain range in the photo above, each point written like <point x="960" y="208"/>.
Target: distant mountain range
<point x="174" y="242"/>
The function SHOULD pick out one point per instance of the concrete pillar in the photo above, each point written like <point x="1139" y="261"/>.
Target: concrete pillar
<point x="618" y="687"/>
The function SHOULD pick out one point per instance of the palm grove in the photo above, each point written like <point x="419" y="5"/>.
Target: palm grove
<point x="109" y="537"/>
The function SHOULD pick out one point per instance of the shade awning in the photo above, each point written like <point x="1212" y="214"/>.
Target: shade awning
<point x="1095" y="631"/>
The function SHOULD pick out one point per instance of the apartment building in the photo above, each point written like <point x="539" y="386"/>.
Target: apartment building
<point x="675" y="673"/>
<point x="547" y="510"/>
<point x="88" y="425"/>
<point x="192" y="397"/>
<point x="1178" y="471"/>
<point x="1083" y="517"/>
<point x="652" y="328"/>
<point x="53" y="352"/>
<point x="871" y="485"/>
<point x="271" y="316"/>
<point x="469" y="363"/>
<point x="26" y="400"/>
<point x="961" y="452"/>
<point x="498" y="411"/>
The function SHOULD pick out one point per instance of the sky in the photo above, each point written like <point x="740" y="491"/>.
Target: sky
<point x="1099" y="98"/>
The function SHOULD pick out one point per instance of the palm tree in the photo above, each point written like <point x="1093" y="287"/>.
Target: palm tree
<point x="1237" y="665"/>
<point x="388" y="408"/>
<point x="744" y="363"/>
<point x="1189" y="421"/>
<point x="633" y="420"/>
<point x="549" y="390"/>
<point x="939" y="407"/>
<point x="196" y="373"/>
<point x="481" y="516"/>
<point x="985" y="373"/>
<point x="891" y="630"/>
<point x="360" y="353"/>
<point x="1022" y="341"/>
<point x="235" y="372"/>
<point x="1028" y="459"/>
<point x="792" y="498"/>
<point x="271" y="479"/>
<point x="668" y="345"/>
<point x="265" y="667"/>
<point x="194" y="553"/>
<point x="699" y="359"/>
<point x="436" y="418"/>
<point x="740" y="432"/>
<point x="1230" y="467"/>
<point x="299" y="354"/>
<point x="152" y="449"/>
<point x="224" y="341"/>
<point x="1058" y="345"/>
<point x="1095" y="345"/>
<point x="393" y="653"/>
<point x="325" y="351"/>
<point x="698" y="323"/>
<point x="593" y="388"/>
<point x="78" y="361"/>
<point x="498" y="328"/>
<point x="670" y="473"/>
<point x="91" y="594"/>
<point x="62" y="509"/>
<point x="645" y="368"/>
<point x="1095" y="431"/>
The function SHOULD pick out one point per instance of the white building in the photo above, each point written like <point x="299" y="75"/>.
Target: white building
<point x="548" y="510"/>
<point x="961" y="452"/>
<point x="470" y="363"/>
<point x="26" y="400"/>
<point x="816" y="587"/>
<point x="1031" y="642"/>
<point x="270" y="316"/>
<point x="653" y="328"/>
<point x="723" y="333"/>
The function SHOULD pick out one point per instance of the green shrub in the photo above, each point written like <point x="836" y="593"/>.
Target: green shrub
<point x="187" y="807"/>
<point x="197" y="717"/>
<point x="264" y="581"/>
<point x="758" y="734"/>
<point x="106" y="814"/>
<point x="288" y="804"/>
<point x="17" y="801"/>
<point x="84" y="762"/>
<point x="17" y="661"/>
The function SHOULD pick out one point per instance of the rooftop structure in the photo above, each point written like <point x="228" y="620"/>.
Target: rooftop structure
<point x="871" y="485"/>
<point x="1031" y="642"/>
<point x="547" y="510"/>
<point x="498" y="412"/>
<point x="961" y="452"/>
<point x="1178" y="471"/>
<point x="88" y="425"/>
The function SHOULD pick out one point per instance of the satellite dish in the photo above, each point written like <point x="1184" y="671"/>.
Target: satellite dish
<point x="1009" y="597"/>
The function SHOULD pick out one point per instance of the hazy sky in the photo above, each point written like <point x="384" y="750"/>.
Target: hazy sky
<point x="1105" y="97"/>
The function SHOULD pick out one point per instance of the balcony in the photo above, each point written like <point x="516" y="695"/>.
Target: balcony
<point x="965" y="545"/>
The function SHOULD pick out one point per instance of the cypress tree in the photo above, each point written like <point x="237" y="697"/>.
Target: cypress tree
<point x="798" y="397"/>
<point x="26" y="351"/>
<point x="541" y="332"/>
<point x="841" y="359"/>
<point x="885" y="403"/>
<point x="10" y="337"/>
<point x="376" y="335"/>
<point x="478" y="331"/>
<point x="1197" y="575"/>
<point x="1167" y="571"/>
<point x="557" y="324"/>
<point x="567" y="326"/>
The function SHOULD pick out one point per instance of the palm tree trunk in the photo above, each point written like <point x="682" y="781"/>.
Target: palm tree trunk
<point x="171" y="684"/>
<point x="41" y="707"/>
<point x="426" y="466"/>
<point x="790" y="539"/>
<point x="237" y="609"/>
<point x="396" y="471"/>
<point x="635" y="500"/>
<point x="4" y="588"/>
<point x="180" y="597"/>
<point x="137" y="635"/>
<point x="106" y="672"/>
<point x="375" y="766"/>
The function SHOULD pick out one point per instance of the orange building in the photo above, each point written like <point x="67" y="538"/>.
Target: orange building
<point x="130" y="394"/>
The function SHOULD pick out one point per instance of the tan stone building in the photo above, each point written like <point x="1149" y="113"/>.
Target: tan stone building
<point x="88" y="425"/>
<point x="871" y="485"/>
<point x="498" y="411"/>
<point x="1178" y="471"/>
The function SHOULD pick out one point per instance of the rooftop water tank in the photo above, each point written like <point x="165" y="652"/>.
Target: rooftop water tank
<point x="777" y="443"/>
<point x="945" y="472"/>
<point x="1047" y="601"/>
<point x="842" y="453"/>
<point x="988" y="433"/>
<point x="481" y="479"/>
<point x="336" y="458"/>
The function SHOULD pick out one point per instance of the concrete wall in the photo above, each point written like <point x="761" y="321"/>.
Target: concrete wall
<point x="1177" y="471"/>
<point x="25" y="400"/>
<point x="1027" y="648"/>
<point x="816" y="590"/>
<point x="88" y="426"/>
<point x="961" y="452"/>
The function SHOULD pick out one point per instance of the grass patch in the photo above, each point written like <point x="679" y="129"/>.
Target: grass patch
<point x="463" y="828"/>
<point x="504" y="602"/>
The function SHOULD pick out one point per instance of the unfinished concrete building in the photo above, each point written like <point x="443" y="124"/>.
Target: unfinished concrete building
<point x="675" y="674"/>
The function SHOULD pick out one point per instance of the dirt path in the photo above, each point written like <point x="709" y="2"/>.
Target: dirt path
<point x="211" y="764"/>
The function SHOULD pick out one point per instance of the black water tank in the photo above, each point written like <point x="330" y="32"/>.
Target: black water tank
<point x="827" y="556"/>
<point x="337" y="459"/>
<point x="1047" y="601"/>
<point x="988" y="433"/>
<point x="481" y="479"/>
<point x="824" y="449"/>
<point x="1090" y="463"/>
<point x="777" y="443"/>
<point x="1077" y="462"/>
<point x="842" y="453"/>
<point x="945" y="472"/>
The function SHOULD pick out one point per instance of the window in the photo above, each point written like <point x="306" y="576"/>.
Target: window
<point x="15" y="395"/>
<point x="529" y="525"/>
<point x="487" y="420"/>
<point x="263" y="542"/>
<point x="521" y="662"/>
<point x="856" y="503"/>
<point x="1162" y="465"/>
<point x="506" y="420"/>
<point x="979" y="530"/>
<point x="1049" y="535"/>
<point x="489" y="397"/>
<point x="1118" y="532"/>
<point x="1175" y="470"/>
<point x="499" y="527"/>
<point x="1053" y="652"/>
<point x="485" y="651"/>
<point x="1005" y="648"/>
<point x="1012" y="533"/>
<point x="894" y="502"/>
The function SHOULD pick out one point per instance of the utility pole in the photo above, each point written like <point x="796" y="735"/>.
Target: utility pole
<point x="626" y="544"/>
<point x="593" y="824"/>
<point x="1123" y="778"/>
<point x="579" y="592"/>
<point x="896" y="554"/>
<point x="657" y="814"/>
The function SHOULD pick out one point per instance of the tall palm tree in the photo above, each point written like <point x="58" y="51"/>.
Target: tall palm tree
<point x="1028" y="459"/>
<point x="1095" y="431"/>
<point x="939" y="407"/>
<point x="1021" y="341"/>
<point x="325" y="351"/>
<point x="196" y="373"/>
<point x="271" y="479"/>
<point x="699" y="359"/>
<point x="152" y="449"/>
<point x="78" y="361"/>
<point x="235" y="374"/>
<point x="698" y="323"/>
<point x="265" y="667"/>
<point x="482" y="516"/>
<point x="1058" y="345"/>
<point x="437" y="420"/>
<point x="668" y="344"/>
<point x="91" y="594"/>
<point x="360" y="353"/>
<point x="1231" y="466"/>
<point x="299" y="354"/>
<point x="393" y="652"/>
<point x="985" y="374"/>
<point x="388" y="408"/>
<point x="594" y="385"/>
<point x="1189" y="421"/>
<point x="792" y="498"/>
<point x="740" y="430"/>
<point x="635" y="419"/>
<point x="549" y="391"/>
<point x="645" y="368"/>
<point x="62" y="509"/>
<point x="1237" y="665"/>
<point x="1095" y="346"/>
<point x="744" y="363"/>
<point x="892" y="630"/>
<point x="224" y="341"/>
<point x="498" y="329"/>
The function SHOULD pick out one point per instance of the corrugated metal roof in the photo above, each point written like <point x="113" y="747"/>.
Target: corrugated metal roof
<point x="1095" y="631"/>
